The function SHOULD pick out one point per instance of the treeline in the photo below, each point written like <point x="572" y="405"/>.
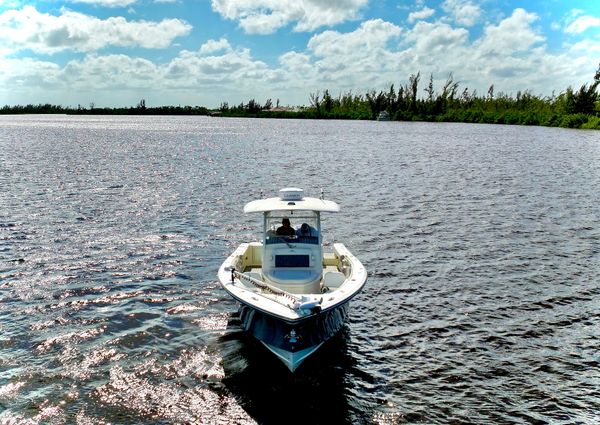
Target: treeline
<point x="139" y="109"/>
<point x="409" y="102"/>
<point x="572" y="108"/>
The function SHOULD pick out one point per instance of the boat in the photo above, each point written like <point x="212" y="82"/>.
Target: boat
<point x="293" y="290"/>
<point x="383" y="116"/>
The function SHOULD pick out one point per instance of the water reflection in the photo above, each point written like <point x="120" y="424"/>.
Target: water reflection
<point x="482" y="244"/>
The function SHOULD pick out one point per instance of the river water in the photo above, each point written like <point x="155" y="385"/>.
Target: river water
<point x="482" y="245"/>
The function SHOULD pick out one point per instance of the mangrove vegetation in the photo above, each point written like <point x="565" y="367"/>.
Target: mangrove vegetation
<point x="417" y="100"/>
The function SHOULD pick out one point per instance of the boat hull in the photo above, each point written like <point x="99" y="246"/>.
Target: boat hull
<point x="293" y="341"/>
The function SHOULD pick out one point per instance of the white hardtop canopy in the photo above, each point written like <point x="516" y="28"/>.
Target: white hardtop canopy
<point x="291" y="199"/>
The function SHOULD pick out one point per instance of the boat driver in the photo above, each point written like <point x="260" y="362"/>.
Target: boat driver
<point x="285" y="229"/>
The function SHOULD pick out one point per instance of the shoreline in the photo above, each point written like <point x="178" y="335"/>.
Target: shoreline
<point x="573" y="121"/>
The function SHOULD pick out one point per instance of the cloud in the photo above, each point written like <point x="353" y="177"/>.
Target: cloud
<point x="100" y="77"/>
<point x="220" y="71"/>
<point x="10" y="4"/>
<point x="511" y="35"/>
<point x="28" y="73"/>
<point x="510" y="53"/>
<point x="582" y="24"/>
<point x="371" y="36"/>
<point x="111" y="72"/>
<point x="44" y="33"/>
<point x="107" y="3"/>
<point x="463" y="12"/>
<point x="436" y="38"/>
<point x="342" y="61"/>
<point x="589" y="46"/>
<point x="93" y="71"/>
<point x="212" y="46"/>
<point x="267" y="16"/>
<point x="424" y="13"/>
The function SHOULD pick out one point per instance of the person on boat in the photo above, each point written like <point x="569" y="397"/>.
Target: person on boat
<point x="306" y="230"/>
<point x="285" y="229"/>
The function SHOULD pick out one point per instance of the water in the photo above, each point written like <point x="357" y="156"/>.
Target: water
<point x="482" y="245"/>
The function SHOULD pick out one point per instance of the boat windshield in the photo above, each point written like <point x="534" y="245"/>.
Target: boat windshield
<point x="285" y="227"/>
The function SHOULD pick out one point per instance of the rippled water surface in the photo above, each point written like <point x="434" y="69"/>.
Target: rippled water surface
<point x="482" y="245"/>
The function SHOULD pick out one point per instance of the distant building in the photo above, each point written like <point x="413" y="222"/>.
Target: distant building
<point x="284" y="109"/>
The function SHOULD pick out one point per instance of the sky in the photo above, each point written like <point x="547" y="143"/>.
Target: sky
<point x="113" y="53"/>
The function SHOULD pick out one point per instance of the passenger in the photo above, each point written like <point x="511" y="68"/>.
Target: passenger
<point x="285" y="229"/>
<point x="306" y="230"/>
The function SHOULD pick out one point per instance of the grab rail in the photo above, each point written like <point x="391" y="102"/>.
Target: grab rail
<point x="263" y="285"/>
<point x="300" y="303"/>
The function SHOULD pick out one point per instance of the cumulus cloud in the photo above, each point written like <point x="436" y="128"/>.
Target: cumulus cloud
<point x="510" y="53"/>
<point x="463" y="12"/>
<point x="513" y="56"/>
<point x="28" y="29"/>
<point x="267" y="16"/>
<point x="191" y="65"/>
<point x="435" y="38"/>
<point x="107" y="3"/>
<point x="582" y="24"/>
<point x="99" y="72"/>
<point x="418" y="15"/>
<point x="212" y="46"/>
<point x="233" y="67"/>
<point x="340" y="60"/>
<point x="28" y="73"/>
<point x="181" y="79"/>
<point x="110" y="71"/>
<point x="295" y="61"/>
<point x="513" y="34"/>
<point x="369" y="37"/>
<point x="589" y="46"/>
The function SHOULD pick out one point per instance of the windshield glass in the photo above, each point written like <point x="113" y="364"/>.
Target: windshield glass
<point x="302" y="226"/>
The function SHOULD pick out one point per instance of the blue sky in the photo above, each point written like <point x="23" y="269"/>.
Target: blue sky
<point x="204" y="52"/>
